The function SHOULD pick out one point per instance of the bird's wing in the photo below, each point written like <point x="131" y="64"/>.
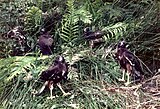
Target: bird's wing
<point x="130" y="57"/>
<point x="134" y="61"/>
<point x="52" y="67"/>
<point x="49" y="72"/>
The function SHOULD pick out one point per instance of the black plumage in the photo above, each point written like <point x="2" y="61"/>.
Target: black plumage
<point x="90" y="35"/>
<point x="57" y="72"/>
<point x="54" y="75"/>
<point x="45" y="43"/>
<point x="94" y="38"/>
<point x="128" y="62"/>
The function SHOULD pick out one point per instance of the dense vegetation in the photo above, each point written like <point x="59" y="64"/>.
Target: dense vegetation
<point x="93" y="77"/>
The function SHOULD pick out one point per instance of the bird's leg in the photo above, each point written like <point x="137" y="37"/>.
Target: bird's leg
<point x="122" y="79"/>
<point x="127" y="83"/>
<point x="129" y="71"/>
<point x="64" y="93"/>
<point x="91" y="43"/>
<point x="51" y="89"/>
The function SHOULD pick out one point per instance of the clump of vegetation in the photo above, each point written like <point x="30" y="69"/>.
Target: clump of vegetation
<point x="93" y="76"/>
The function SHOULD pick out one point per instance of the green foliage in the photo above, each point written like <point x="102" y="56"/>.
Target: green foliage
<point x="85" y="89"/>
<point x="109" y="14"/>
<point x="76" y="14"/>
<point x="69" y="32"/>
<point x="17" y="65"/>
<point x="13" y="14"/>
<point x="5" y="52"/>
<point x="90" y="74"/>
<point x="83" y="15"/>
<point x="33" y="17"/>
<point x="70" y="26"/>
<point x="116" y="31"/>
<point x="16" y="71"/>
<point x="10" y="47"/>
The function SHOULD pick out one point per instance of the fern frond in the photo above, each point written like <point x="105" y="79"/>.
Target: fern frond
<point x="115" y="31"/>
<point x="33" y="16"/>
<point x="69" y="31"/>
<point x="14" y="66"/>
<point x="83" y="15"/>
<point x="70" y="27"/>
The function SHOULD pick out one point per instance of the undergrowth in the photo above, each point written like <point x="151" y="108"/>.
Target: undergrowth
<point x="93" y="73"/>
<point x="86" y="83"/>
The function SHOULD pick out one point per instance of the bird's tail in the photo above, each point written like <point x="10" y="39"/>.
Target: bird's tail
<point x="42" y="88"/>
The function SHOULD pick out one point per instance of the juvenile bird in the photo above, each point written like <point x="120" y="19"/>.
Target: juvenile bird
<point x="17" y="34"/>
<point x="94" y="38"/>
<point x="45" y="42"/>
<point x="57" y="72"/>
<point x="128" y="62"/>
<point x="17" y="40"/>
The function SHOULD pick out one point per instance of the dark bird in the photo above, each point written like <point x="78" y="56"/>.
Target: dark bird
<point x="45" y="42"/>
<point x="16" y="38"/>
<point x="57" y="72"/>
<point x="128" y="62"/>
<point x="17" y="34"/>
<point x="94" y="38"/>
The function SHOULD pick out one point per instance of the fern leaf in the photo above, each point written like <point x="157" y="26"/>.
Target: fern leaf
<point x="116" y="31"/>
<point x="16" y="65"/>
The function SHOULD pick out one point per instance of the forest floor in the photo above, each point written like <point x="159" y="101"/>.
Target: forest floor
<point x="142" y="96"/>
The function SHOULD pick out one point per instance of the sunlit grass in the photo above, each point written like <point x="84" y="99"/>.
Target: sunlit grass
<point x="93" y="79"/>
<point x="85" y="83"/>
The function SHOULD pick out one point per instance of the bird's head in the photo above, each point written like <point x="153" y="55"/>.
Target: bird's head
<point x="60" y="59"/>
<point x="87" y="29"/>
<point x="122" y="44"/>
<point x="42" y="31"/>
<point x="116" y="48"/>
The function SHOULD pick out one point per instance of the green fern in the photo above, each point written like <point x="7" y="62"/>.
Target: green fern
<point x="33" y="17"/>
<point x="115" y="32"/>
<point x="14" y="66"/>
<point x="70" y="27"/>
<point x="83" y="15"/>
<point x="69" y="31"/>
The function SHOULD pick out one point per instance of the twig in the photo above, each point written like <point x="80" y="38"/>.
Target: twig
<point x="135" y="105"/>
<point x="154" y="77"/>
<point x="144" y="64"/>
<point x="117" y="89"/>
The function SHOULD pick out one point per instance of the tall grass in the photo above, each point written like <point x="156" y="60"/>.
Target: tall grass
<point x="93" y="79"/>
<point x="85" y="84"/>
